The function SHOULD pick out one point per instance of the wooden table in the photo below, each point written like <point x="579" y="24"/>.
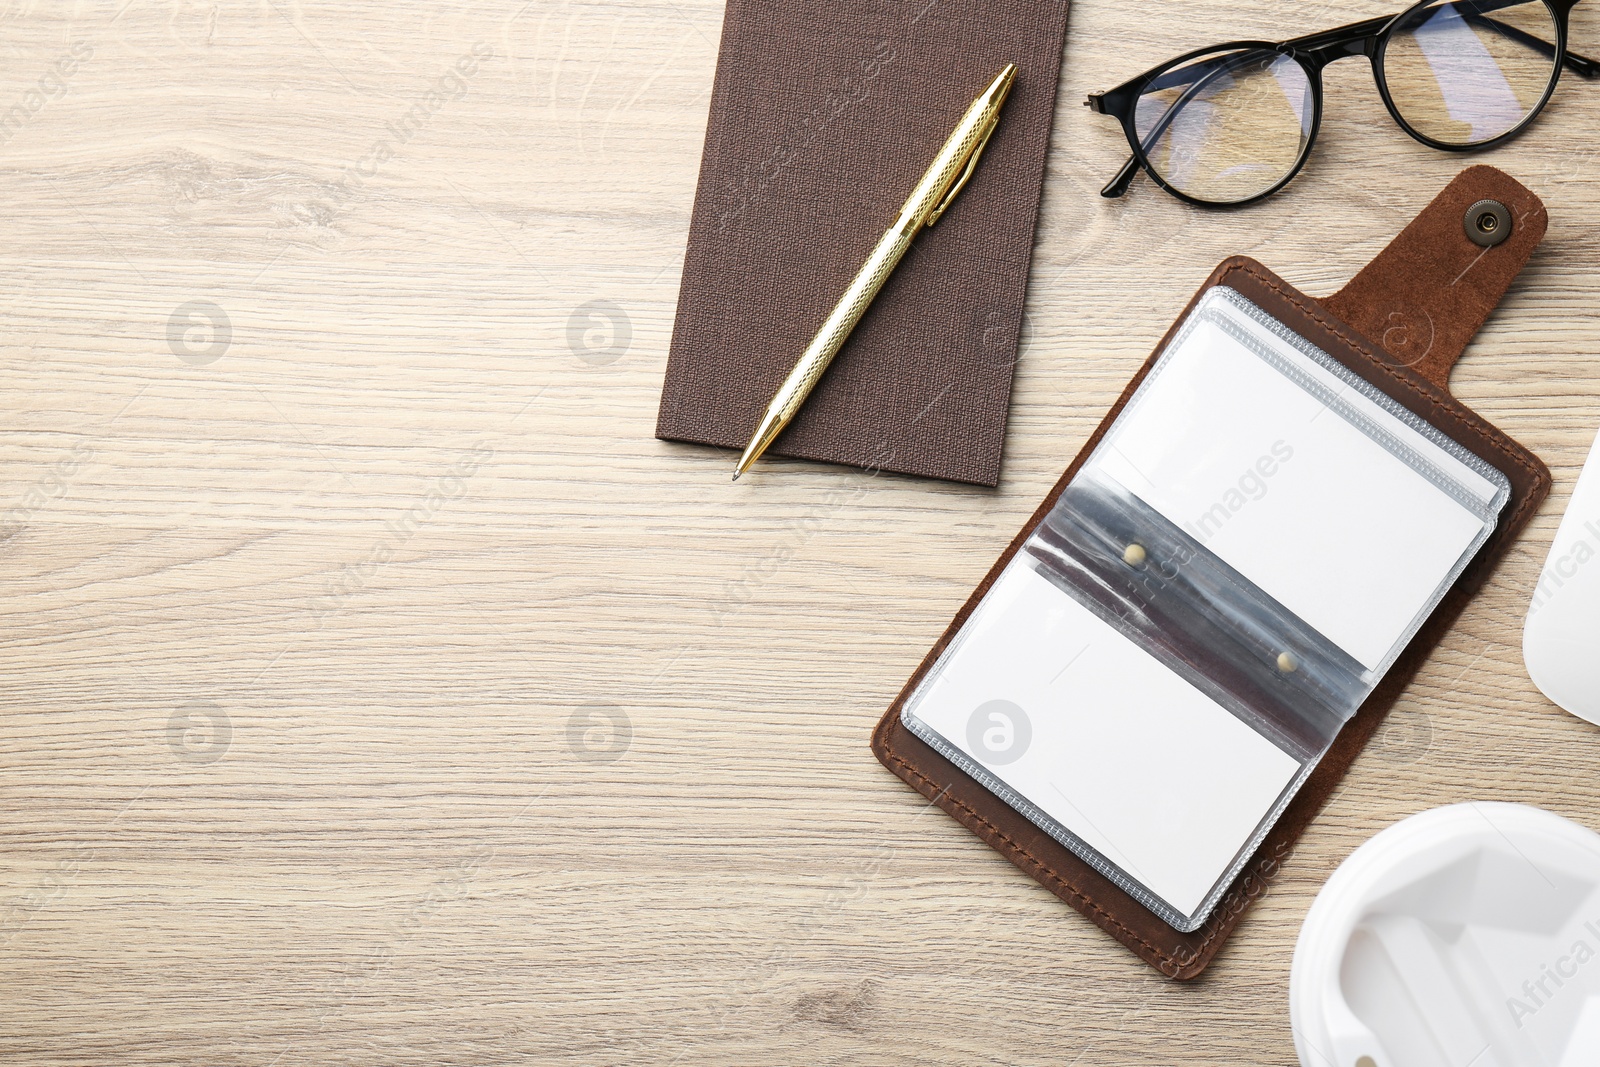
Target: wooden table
<point x="378" y="691"/>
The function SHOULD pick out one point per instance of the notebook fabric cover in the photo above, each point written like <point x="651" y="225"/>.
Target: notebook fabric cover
<point x="823" y="117"/>
<point x="1424" y="296"/>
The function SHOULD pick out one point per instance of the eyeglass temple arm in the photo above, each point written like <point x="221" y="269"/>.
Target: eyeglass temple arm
<point x="1478" y="11"/>
<point x="1119" y="185"/>
<point x="1583" y="65"/>
<point x="1588" y="68"/>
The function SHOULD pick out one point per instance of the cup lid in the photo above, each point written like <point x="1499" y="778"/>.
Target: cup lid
<point x="1468" y="934"/>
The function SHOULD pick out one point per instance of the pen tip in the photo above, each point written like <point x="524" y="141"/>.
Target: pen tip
<point x="735" y="475"/>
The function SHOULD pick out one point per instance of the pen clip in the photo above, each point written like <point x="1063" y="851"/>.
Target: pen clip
<point x="966" y="174"/>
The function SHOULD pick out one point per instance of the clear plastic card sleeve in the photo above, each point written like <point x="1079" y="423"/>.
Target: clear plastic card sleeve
<point x="1223" y="583"/>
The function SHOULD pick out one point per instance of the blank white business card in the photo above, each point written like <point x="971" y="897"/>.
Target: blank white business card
<point x="1344" y="513"/>
<point x="1104" y="739"/>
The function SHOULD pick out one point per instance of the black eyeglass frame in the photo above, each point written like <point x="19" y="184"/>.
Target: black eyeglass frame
<point x="1313" y="52"/>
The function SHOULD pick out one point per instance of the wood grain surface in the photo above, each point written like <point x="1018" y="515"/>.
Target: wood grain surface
<point x="378" y="691"/>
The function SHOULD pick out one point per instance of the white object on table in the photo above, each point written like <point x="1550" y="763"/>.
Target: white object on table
<point x="1561" y="639"/>
<point x="1465" y="934"/>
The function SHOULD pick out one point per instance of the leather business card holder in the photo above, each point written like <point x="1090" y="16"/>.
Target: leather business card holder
<point x="1400" y="325"/>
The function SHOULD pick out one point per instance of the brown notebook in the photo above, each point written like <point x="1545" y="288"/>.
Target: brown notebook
<point x="823" y="117"/>
<point x="1399" y="327"/>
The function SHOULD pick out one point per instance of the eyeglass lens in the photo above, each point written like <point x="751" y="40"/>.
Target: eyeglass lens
<point x="1226" y="127"/>
<point x="1465" y="73"/>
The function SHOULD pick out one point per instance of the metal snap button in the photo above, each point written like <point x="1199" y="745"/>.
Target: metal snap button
<point x="1488" y="222"/>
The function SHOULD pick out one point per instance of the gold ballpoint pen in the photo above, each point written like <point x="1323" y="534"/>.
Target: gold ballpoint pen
<point x="951" y="169"/>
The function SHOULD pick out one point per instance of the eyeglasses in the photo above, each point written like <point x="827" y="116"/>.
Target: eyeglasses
<point x="1233" y="123"/>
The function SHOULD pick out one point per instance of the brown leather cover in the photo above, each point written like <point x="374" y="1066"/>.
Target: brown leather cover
<point x="823" y="117"/>
<point x="1431" y="273"/>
